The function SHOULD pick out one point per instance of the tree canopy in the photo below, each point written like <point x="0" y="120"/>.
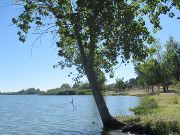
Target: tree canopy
<point x="99" y="31"/>
<point x="96" y="30"/>
<point x="120" y="84"/>
<point x="65" y="86"/>
<point x="162" y="68"/>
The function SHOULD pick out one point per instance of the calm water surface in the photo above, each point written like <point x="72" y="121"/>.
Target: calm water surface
<point x="55" y="115"/>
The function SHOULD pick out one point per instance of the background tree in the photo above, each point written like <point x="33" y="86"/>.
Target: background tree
<point x="172" y="58"/>
<point x="161" y="68"/>
<point x="120" y="84"/>
<point x="76" y="86"/>
<point x="29" y="91"/>
<point x="65" y="86"/>
<point x="132" y="82"/>
<point x="85" y="85"/>
<point x="145" y="71"/>
<point x="92" y="35"/>
<point x="171" y="63"/>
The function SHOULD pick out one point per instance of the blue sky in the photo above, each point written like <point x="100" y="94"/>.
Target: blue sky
<point x="19" y="69"/>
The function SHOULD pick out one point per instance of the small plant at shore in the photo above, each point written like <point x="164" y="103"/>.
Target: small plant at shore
<point x="146" y="106"/>
<point x="129" y="119"/>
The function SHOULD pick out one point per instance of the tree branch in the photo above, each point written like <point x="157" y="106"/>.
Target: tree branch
<point x="78" y="37"/>
<point x="80" y="45"/>
<point x="92" y="41"/>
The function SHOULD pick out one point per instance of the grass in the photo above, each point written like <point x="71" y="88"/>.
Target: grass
<point x="131" y="92"/>
<point x="159" y="114"/>
<point x="148" y="105"/>
<point x="139" y="93"/>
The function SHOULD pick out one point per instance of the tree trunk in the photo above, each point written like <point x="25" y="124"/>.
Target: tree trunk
<point x="158" y="88"/>
<point x="87" y="62"/>
<point x="148" y="88"/>
<point x="164" y="88"/>
<point x="152" y="89"/>
<point x="107" y="119"/>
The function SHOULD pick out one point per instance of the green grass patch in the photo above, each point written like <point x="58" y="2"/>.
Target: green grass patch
<point x="159" y="114"/>
<point x="129" y="119"/>
<point x="175" y="99"/>
<point x="147" y="105"/>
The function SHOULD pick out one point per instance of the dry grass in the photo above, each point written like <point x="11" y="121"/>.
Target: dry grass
<point x="137" y="93"/>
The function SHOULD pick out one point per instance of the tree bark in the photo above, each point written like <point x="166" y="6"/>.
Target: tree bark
<point x="158" y="88"/>
<point x="164" y="88"/>
<point x="107" y="120"/>
<point x="152" y="88"/>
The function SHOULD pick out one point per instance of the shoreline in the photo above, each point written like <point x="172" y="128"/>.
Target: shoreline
<point x="156" y="115"/>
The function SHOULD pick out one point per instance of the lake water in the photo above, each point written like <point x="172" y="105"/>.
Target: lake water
<point x="55" y="115"/>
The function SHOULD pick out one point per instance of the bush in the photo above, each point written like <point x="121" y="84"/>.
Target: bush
<point x="84" y="92"/>
<point x="147" y="105"/>
<point x="68" y="92"/>
<point x="165" y="128"/>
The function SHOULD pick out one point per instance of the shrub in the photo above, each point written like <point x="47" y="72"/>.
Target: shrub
<point x="84" y="92"/>
<point x="146" y="106"/>
<point x="161" y="127"/>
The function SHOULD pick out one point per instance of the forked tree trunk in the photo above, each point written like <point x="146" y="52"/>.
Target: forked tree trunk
<point x="107" y="119"/>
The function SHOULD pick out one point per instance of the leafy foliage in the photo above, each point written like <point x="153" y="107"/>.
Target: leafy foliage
<point x="161" y="68"/>
<point x="65" y="86"/>
<point x="132" y="82"/>
<point x="95" y="32"/>
<point x="68" y="91"/>
<point x="172" y="58"/>
<point x="154" y="8"/>
<point x="146" y="106"/>
<point x="120" y="84"/>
